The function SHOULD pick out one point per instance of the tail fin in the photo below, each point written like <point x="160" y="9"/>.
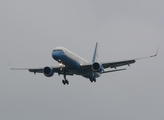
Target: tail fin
<point x="95" y="55"/>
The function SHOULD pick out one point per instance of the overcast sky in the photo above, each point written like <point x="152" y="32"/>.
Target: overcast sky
<point x="29" y="30"/>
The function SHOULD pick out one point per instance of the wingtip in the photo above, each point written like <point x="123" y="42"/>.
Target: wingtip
<point x="155" y="53"/>
<point x="9" y="65"/>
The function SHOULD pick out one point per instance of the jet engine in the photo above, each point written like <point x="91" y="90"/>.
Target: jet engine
<point x="97" y="67"/>
<point x="48" y="71"/>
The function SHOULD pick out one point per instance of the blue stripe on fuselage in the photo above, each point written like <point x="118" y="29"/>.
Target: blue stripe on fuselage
<point x="69" y="63"/>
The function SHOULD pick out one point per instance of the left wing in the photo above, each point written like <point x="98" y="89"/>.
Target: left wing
<point x="40" y="70"/>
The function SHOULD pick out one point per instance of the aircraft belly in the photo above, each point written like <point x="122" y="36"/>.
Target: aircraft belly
<point x="73" y="66"/>
<point x="76" y="70"/>
<point x="91" y="75"/>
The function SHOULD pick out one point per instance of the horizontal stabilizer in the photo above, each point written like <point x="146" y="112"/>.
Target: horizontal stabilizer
<point x="113" y="70"/>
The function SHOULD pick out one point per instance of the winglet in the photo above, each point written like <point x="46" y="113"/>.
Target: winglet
<point x="9" y="65"/>
<point x="95" y="55"/>
<point x="156" y="53"/>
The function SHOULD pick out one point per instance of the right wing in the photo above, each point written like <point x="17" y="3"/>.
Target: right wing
<point x="125" y="62"/>
<point x="116" y="64"/>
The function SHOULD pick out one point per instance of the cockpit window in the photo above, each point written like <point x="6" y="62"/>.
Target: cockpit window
<point x="58" y="50"/>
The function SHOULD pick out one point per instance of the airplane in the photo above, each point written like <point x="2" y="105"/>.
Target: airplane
<point x="72" y="64"/>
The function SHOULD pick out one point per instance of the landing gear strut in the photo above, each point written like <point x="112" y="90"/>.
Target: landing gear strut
<point x="93" y="79"/>
<point x="65" y="81"/>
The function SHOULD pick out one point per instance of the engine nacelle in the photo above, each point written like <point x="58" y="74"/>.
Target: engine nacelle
<point x="48" y="71"/>
<point x="97" y="67"/>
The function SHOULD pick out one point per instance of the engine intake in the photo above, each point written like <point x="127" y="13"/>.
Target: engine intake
<point x="97" y="67"/>
<point x="48" y="71"/>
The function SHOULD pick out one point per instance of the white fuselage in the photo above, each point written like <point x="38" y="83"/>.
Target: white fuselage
<point x="72" y="62"/>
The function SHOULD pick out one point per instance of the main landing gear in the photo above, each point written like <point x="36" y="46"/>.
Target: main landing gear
<point x="93" y="79"/>
<point x="65" y="81"/>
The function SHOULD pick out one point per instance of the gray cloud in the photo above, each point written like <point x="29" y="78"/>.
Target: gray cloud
<point x="124" y="29"/>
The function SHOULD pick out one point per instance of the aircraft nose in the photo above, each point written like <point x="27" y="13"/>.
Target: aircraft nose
<point x="57" y="54"/>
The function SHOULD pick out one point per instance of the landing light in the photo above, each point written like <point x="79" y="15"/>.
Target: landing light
<point x="59" y="60"/>
<point x="61" y="65"/>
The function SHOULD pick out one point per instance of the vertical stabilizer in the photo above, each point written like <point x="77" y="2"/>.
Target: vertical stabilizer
<point x="95" y="55"/>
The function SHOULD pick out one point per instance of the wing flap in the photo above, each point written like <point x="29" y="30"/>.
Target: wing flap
<point x="118" y="64"/>
<point x="36" y="70"/>
<point x="113" y="70"/>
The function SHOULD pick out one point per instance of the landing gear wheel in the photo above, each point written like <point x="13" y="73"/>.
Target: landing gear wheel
<point x="92" y="80"/>
<point x="67" y="82"/>
<point x="63" y="81"/>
